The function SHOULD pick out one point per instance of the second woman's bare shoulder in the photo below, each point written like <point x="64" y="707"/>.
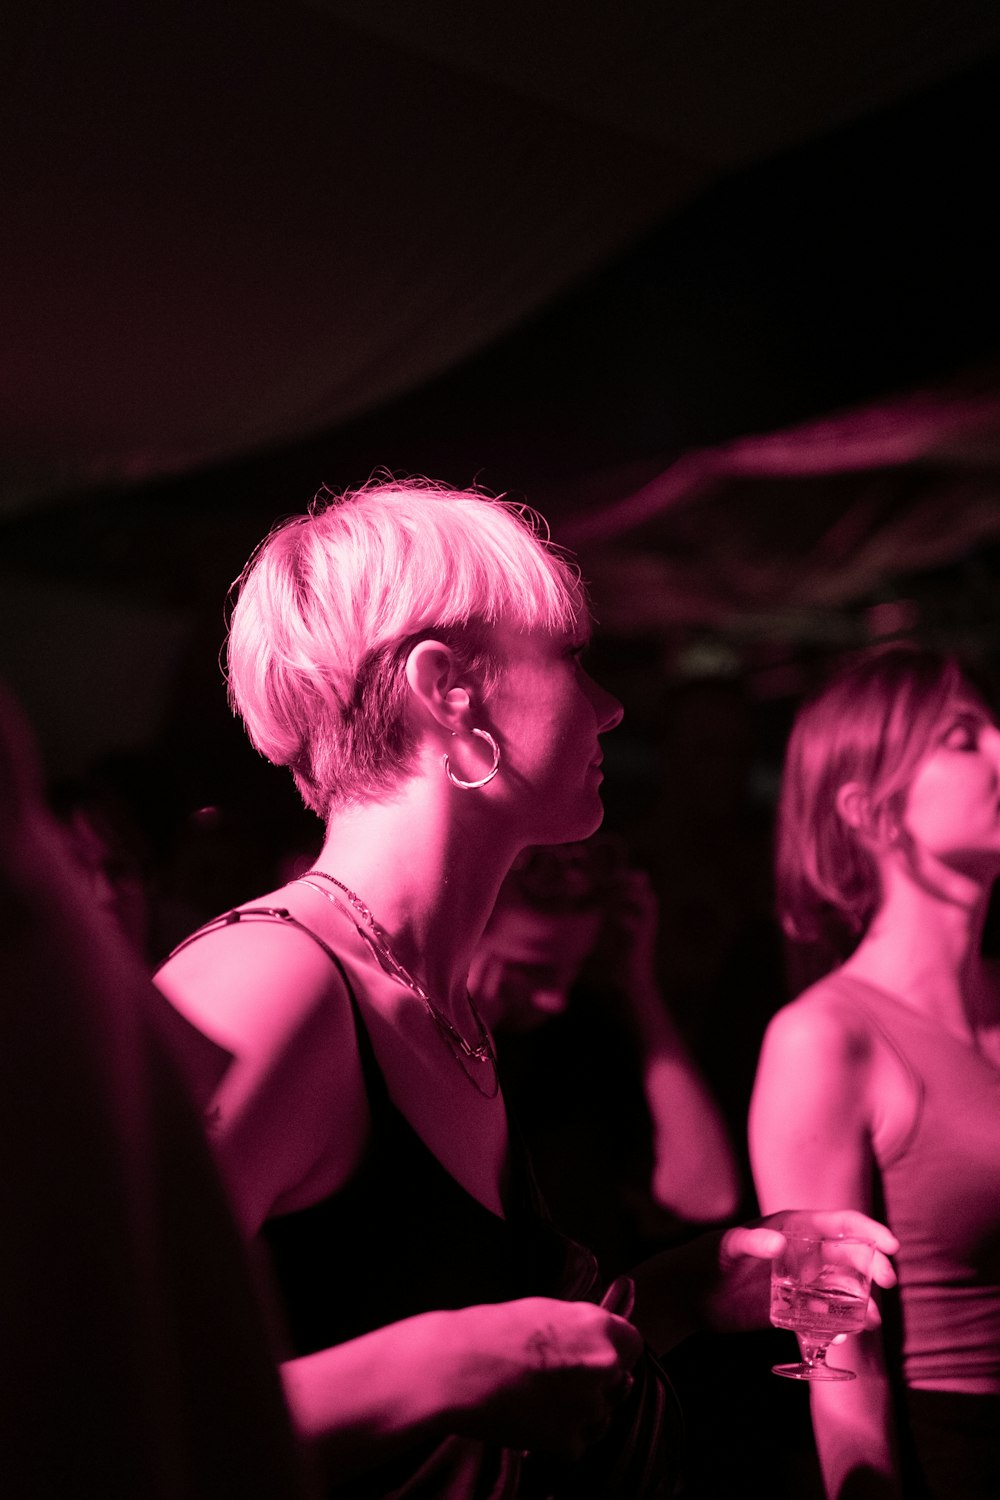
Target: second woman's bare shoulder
<point x="811" y="1113"/>
<point x="821" y="1026"/>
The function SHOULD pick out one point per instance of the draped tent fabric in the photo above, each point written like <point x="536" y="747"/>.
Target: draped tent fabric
<point x="233" y="224"/>
<point x="580" y="252"/>
<point x="722" y="82"/>
<point x="779" y="520"/>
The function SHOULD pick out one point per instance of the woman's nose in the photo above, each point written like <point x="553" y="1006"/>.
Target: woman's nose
<point x="609" y="710"/>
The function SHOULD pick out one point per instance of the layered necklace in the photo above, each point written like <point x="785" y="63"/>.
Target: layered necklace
<point x="478" y="1054"/>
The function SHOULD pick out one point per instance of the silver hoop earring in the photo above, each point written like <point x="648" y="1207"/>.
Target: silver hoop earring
<point x="470" y="786"/>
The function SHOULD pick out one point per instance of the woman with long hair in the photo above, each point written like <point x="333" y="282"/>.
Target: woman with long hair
<point x="879" y="1086"/>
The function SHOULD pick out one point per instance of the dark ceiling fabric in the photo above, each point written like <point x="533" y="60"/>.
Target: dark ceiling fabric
<point x="230" y="225"/>
<point x="249" y="247"/>
<point x="812" y="518"/>
<point x="723" y="82"/>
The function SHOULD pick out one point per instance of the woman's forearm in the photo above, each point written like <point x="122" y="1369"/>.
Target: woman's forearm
<point x="853" y="1426"/>
<point x="537" y="1372"/>
<point x="694" y="1169"/>
<point x="363" y="1401"/>
<point x="698" y="1286"/>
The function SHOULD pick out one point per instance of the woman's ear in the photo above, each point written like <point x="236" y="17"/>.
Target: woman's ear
<point x="853" y="807"/>
<point x="432" y="673"/>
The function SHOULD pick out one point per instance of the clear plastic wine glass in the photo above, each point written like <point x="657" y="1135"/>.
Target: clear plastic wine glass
<point x="820" y="1286"/>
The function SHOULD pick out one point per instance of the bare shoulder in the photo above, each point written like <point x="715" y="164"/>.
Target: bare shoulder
<point x="291" y="1109"/>
<point x="256" y="976"/>
<point x="820" y="1035"/>
<point x="811" y="1111"/>
<point x="822" y="1026"/>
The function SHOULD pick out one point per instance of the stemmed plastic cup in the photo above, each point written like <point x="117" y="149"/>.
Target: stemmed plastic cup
<point x="819" y="1288"/>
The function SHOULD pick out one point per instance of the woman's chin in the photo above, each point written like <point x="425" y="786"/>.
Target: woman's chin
<point x="575" y="830"/>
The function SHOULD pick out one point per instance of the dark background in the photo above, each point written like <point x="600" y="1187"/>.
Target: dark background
<point x="714" y="287"/>
<point x="608" y="259"/>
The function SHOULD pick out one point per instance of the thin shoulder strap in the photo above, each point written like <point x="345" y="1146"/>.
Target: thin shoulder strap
<point x="281" y="915"/>
<point x="262" y="914"/>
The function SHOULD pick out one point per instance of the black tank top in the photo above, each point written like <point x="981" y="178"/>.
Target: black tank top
<point x="403" y="1237"/>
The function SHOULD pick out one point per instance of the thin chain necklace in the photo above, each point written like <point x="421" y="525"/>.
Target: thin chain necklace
<point x="477" y="1053"/>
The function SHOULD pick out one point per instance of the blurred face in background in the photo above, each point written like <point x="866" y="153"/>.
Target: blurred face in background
<point x="116" y="882"/>
<point x="527" y="962"/>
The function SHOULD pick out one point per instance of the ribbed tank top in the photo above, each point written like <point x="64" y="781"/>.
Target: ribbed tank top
<point x="941" y="1188"/>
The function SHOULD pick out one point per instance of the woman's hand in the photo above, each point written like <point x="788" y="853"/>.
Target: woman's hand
<point x="722" y="1280"/>
<point x="764" y="1239"/>
<point x="537" y="1373"/>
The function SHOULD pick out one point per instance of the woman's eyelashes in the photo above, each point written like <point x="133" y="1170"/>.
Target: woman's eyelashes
<point x="963" y="733"/>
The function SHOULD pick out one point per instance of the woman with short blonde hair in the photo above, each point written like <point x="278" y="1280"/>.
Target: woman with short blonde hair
<point x="414" y="655"/>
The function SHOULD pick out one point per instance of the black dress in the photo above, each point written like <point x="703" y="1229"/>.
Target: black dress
<point x="402" y="1237"/>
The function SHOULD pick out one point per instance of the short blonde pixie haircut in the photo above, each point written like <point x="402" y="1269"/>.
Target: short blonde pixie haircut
<point x="331" y="603"/>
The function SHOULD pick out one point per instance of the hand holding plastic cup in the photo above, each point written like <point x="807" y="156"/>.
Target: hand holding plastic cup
<point x="820" y="1288"/>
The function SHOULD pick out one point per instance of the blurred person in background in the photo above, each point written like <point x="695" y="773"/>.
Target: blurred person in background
<point x="105" y="842"/>
<point x="628" y="1144"/>
<point x="879" y="1086"/>
<point x="137" y="1358"/>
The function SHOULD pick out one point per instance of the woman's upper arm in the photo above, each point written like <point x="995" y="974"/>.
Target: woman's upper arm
<point x="810" y="1147"/>
<point x="293" y="1092"/>
<point x="809" y="1128"/>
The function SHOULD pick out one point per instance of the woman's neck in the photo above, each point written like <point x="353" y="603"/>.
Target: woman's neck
<point x="928" y="951"/>
<point x="429" y="884"/>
